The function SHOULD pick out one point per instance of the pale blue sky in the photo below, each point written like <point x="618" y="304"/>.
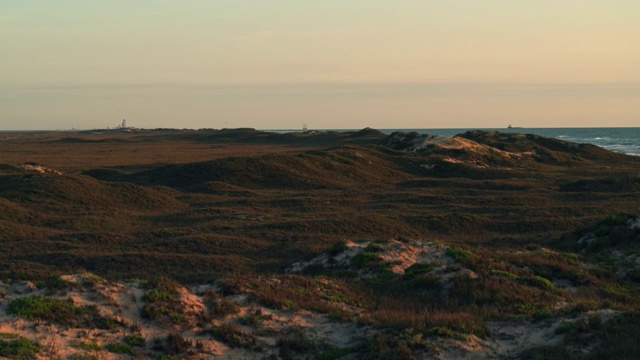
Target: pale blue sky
<point x="331" y="64"/>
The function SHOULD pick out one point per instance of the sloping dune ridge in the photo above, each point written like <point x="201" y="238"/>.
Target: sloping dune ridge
<point x="242" y="244"/>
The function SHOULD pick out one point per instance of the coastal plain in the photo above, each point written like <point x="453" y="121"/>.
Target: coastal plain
<point x="427" y="247"/>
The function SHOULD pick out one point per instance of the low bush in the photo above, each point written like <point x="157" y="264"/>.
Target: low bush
<point x="176" y="344"/>
<point x="119" y="348"/>
<point x="254" y="318"/>
<point x="417" y="269"/>
<point x="55" y="283"/>
<point x="15" y="347"/>
<point x="458" y="253"/>
<point x="62" y="312"/>
<point x="86" y="345"/>
<point x="233" y="336"/>
<point x="296" y="341"/>
<point x="135" y="340"/>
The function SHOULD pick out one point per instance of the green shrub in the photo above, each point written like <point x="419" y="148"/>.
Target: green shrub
<point x="334" y="354"/>
<point x="233" y="336"/>
<point x="542" y="314"/>
<point x="55" y="283"/>
<point x="163" y="301"/>
<point x="92" y="278"/>
<point x="566" y="327"/>
<point x="105" y="323"/>
<point x="157" y="295"/>
<point x="119" y="348"/>
<point x="178" y="318"/>
<point x="365" y="259"/>
<point x="503" y="273"/>
<point x="87" y="346"/>
<point x="614" y="220"/>
<point x="167" y="357"/>
<point x="19" y="348"/>
<point x="458" y="253"/>
<point x="253" y="318"/>
<point x="338" y="248"/>
<point x="177" y="344"/>
<point x="219" y="308"/>
<point x="634" y="275"/>
<point x="374" y="247"/>
<point x="417" y="269"/>
<point x="135" y="340"/>
<point x="297" y="341"/>
<point x="540" y="282"/>
<point x="63" y="312"/>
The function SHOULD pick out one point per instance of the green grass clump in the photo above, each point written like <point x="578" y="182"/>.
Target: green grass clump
<point x="254" y="318"/>
<point x="296" y="341"/>
<point x="167" y="357"/>
<point x="219" y="307"/>
<point x="539" y="281"/>
<point x="55" y="283"/>
<point x="606" y="225"/>
<point x="92" y="278"/>
<point x="417" y="269"/>
<point x="365" y="259"/>
<point x="157" y="295"/>
<point x="85" y="345"/>
<point x="164" y="302"/>
<point x="63" y="312"/>
<point x="566" y="327"/>
<point x="233" y="336"/>
<point x="338" y="248"/>
<point x="504" y="274"/>
<point x="119" y="348"/>
<point x="458" y="253"/>
<point x="374" y="247"/>
<point x="334" y="354"/>
<point x="15" y="347"/>
<point x="135" y="340"/>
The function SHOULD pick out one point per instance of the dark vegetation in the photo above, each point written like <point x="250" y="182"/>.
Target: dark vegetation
<point x="239" y="206"/>
<point x="15" y="347"/>
<point x="62" y="312"/>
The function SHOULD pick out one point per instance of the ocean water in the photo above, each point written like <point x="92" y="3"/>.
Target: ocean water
<point x="623" y="140"/>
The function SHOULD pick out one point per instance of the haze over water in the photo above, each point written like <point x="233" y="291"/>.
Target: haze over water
<point x="348" y="64"/>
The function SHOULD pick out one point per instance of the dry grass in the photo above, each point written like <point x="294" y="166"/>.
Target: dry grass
<point x="195" y="207"/>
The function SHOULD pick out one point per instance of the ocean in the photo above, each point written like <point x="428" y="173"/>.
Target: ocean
<point x="623" y="140"/>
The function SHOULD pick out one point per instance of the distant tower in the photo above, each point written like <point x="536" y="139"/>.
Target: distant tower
<point x="304" y="127"/>
<point x="124" y="123"/>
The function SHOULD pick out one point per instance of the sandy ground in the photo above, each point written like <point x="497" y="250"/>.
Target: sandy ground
<point x="124" y="303"/>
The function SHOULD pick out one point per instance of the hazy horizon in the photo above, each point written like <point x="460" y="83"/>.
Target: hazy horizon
<point x="331" y="65"/>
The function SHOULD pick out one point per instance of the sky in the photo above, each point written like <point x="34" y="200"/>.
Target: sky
<point x="332" y="64"/>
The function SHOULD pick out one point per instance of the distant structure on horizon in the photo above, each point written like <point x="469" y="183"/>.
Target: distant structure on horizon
<point x="124" y="124"/>
<point x="304" y="127"/>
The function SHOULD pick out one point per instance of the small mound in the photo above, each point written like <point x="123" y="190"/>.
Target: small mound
<point x="613" y="242"/>
<point x="454" y="150"/>
<point x="492" y="148"/>
<point x="33" y="167"/>
<point x="104" y="174"/>
<point x="542" y="149"/>
<point x="311" y="170"/>
<point x="370" y="260"/>
<point x="606" y="185"/>
<point x="36" y="184"/>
